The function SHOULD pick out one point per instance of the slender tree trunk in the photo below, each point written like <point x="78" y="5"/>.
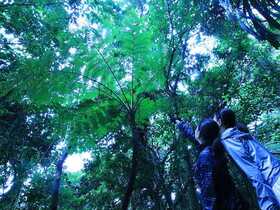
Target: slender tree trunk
<point x="167" y="195"/>
<point x="134" y="168"/>
<point x="56" y="186"/>
<point x="159" y="178"/>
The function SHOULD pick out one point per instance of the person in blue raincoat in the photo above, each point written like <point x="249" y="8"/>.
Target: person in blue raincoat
<point x="205" y="134"/>
<point x="260" y="166"/>
<point x="217" y="190"/>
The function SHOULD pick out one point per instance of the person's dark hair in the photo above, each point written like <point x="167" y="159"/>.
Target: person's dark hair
<point x="208" y="131"/>
<point x="227" y="118"/>
<point x="242" y="127"/>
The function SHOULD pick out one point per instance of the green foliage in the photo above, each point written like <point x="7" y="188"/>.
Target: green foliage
<point x="86" y="75"/>
<point x="268" y="130"/>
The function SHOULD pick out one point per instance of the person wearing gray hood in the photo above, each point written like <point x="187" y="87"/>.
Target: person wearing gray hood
<point x="260" y="166"/>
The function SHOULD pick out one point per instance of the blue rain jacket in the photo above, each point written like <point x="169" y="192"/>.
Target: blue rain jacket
<point x="203" y="168"/>
<point x="203" y="174"/>
<point x="260" y="166"/>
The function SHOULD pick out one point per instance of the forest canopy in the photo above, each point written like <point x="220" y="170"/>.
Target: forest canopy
<point x="104" y="78"/>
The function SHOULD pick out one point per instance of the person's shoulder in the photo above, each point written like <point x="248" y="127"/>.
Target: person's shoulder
<point x="206" y="150"/>
<point x="228" y="133"/>
<point x="206" y="153"/>
<point x="235" y="134"/>
<point x="205" y="159"/>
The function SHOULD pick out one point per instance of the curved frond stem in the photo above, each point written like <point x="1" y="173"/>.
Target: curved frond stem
<point x="171" y="24"/>
<point x="116" y="96"/>
<point x="105" y="93"/>
<point x="132" y="89"/>
<point x="139" y="100"/>
<point x="114" y="76"/>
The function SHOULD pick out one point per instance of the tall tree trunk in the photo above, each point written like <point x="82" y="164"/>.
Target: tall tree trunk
<point x="159" y="179"/>
<point x="134" y="167"/>
<point x="56" y="186"/>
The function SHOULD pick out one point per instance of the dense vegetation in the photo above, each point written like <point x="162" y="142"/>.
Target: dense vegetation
<point x="105" y="77"/>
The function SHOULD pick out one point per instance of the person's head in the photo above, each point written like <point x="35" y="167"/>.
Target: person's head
<point x="207" y="131"/>
<point x="225" y="118"/>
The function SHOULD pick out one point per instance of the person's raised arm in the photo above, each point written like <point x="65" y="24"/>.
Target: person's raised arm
<point x="187" y="131"/>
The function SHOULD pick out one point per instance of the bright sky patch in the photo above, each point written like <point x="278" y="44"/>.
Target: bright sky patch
<point x="76" y="161"/>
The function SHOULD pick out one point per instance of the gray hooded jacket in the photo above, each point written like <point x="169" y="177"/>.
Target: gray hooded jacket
<point x="259" y="165"/>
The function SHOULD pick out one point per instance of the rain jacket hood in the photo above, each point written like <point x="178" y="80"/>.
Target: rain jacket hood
<point x="259" y="165"/>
